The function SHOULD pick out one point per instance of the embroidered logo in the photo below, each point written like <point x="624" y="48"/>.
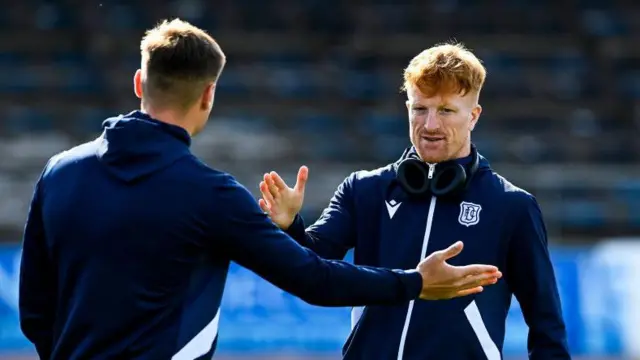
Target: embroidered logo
<point x="392" y="207"/>
<point x="469" y="213"/>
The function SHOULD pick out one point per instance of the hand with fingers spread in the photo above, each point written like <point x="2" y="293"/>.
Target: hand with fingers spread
<point x="443" y="281"/>
<point x="280" y="201"/>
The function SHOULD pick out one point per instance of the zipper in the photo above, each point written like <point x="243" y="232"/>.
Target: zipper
<point x="425" y="244"/>
<point x="432" y="169"/>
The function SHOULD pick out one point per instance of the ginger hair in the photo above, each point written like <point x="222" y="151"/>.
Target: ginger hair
<point x="445" y="69"/>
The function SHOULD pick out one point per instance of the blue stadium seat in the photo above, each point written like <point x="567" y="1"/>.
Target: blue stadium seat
<point x="361" y="85"/>
<point x="487" y="146"/>
<point x="70" y="59"/>
<point x="629" y="84"/>
<point x="250" y="122"/>
<point x="628" y="194"/>
<point x="9" y="59"/>
<point x="594" y="4"/>
<point x="602" y="22"/>
<point x="88" y="121"/>
<point x="120" y="16"/>
<point x="310" y="121"/>
<point x="16" y="80"/>
<point x="4" y="20"/>
<point x="286" y="58"/>
<point x="326" y="135"/>
<point x="386" y="149"/>
<point x="507" y="75"/>
<point x="575" y="191"/>
<point x="292" y="82"/>
<point x="568" y="60"/>
<point x="530" y="125"/>
<point x="50" y="15"/>
<point x="334" y="147"/>
<point x="583" y="213"/>
<point x="79" y="79"/>
<point x="259" y="16"/>
<point x="396" y="17"/>
<point x="383" y="124"/>
<point x="233" y="83"/>
<point x="19" y="120"/>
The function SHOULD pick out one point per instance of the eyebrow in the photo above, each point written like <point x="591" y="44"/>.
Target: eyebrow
<point x="445" y="105"/>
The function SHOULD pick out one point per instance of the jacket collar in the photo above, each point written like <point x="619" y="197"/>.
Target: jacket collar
<point x="411" y="152"/>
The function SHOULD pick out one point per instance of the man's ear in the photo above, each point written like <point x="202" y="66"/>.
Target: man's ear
<point x="475" y="116"/>
<point x="208" y="96"/>
<point x="137" y="84"/>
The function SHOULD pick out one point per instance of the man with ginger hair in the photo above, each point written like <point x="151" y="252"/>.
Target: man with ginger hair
<point x="439" y="191"/>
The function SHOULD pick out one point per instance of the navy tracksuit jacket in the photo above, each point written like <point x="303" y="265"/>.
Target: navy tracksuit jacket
<point x="128" y="242"/>
<point x="499" y="224"/>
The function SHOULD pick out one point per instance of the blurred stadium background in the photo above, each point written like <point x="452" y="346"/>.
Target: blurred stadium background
<point x="316" y="82"/>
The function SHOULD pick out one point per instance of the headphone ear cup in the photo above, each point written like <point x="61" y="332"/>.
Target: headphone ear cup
<point x="413" y="176"/>
<point x="448" y="180"/>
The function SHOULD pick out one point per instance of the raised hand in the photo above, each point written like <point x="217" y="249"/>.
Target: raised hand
<point x="280" y="201"/>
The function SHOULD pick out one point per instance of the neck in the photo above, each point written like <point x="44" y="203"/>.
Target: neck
<point x="169" y="117"/>
<point x="464" y="152"/>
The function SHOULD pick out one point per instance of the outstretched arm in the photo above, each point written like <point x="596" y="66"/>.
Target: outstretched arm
<point x="254" y="241"/>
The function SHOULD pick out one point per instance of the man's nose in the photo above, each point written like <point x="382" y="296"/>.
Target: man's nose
<point x="431" y="121"/>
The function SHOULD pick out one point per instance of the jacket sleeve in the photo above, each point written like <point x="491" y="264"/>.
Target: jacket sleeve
<point x="251" y="239"/>
<point x="37" y="293"/>
<point x="333" y="234"/>
<point x="531" y="277"/>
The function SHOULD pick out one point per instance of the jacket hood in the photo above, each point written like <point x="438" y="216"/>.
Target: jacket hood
<point x="135" y="145"/>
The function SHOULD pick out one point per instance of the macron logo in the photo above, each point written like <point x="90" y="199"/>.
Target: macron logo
<point x="392" y="207"/>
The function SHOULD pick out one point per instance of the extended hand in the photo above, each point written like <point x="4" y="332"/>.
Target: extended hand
<point x="281" y="202"/>
<point x="443" y="281"/>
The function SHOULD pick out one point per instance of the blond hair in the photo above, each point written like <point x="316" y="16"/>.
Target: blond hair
<point x="445" y="69"/>
<point x="178" y="61"/>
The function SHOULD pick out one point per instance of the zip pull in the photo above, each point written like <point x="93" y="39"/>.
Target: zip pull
<point x="432" y="169"/>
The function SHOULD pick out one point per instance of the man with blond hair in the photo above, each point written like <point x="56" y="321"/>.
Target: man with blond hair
<point x="439" y="191"/>
<point x="129" y="236"/>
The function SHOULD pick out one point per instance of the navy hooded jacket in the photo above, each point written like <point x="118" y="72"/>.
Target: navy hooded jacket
<point x="499" y="224"/>
<point x="128" y="242"/>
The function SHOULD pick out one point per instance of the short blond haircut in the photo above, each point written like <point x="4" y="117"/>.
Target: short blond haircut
<point x="178" y="61"/>
<point x="445" y="69"/>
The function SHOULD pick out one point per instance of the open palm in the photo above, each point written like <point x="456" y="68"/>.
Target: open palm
<point x="280" y="201"/>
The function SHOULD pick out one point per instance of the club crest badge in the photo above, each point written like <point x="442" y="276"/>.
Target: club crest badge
<point x="469" y="213"/>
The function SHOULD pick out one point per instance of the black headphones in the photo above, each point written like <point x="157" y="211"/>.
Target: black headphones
<point x="446" y="179"/>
